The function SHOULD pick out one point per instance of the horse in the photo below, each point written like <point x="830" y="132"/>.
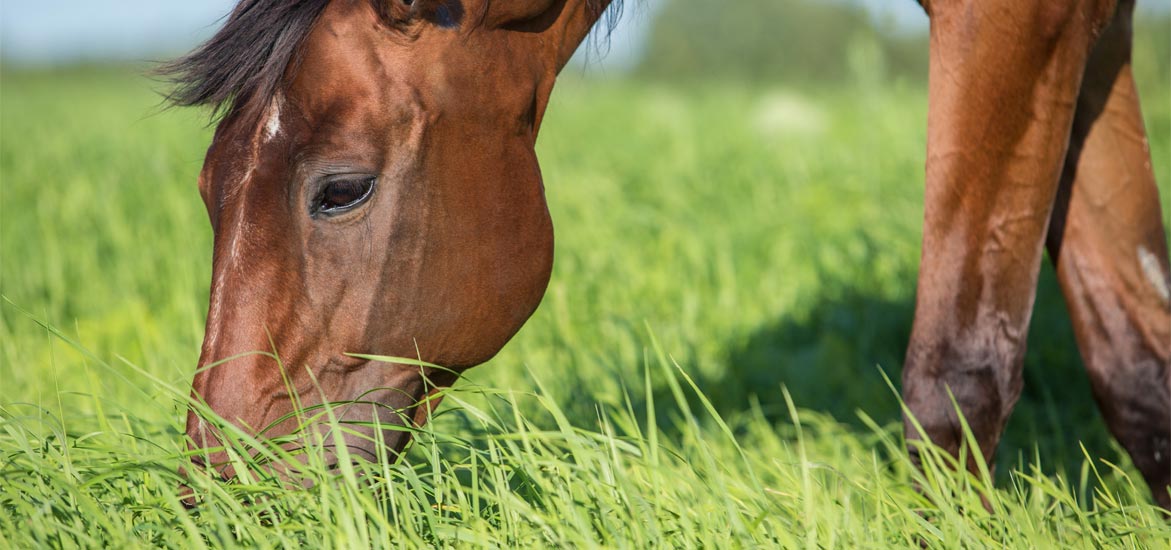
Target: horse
<point x="373" y="187"/>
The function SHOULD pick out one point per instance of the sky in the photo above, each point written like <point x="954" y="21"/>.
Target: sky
<point x="70" y="31"/>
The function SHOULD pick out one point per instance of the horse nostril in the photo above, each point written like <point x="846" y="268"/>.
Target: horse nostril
<point x="186" y="493"/>
<point x="187" y="496"/>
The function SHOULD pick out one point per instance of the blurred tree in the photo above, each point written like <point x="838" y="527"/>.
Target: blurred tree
<point x="823" y="42"/>
<point x="1152" y="53"/>
<point x="794" y="41"/>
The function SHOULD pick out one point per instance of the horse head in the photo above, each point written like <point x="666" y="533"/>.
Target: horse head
<point x="373" y="189"/>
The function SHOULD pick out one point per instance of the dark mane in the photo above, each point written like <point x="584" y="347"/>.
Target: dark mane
<point x="245" y="59"/>
<point x="248" y="57"/>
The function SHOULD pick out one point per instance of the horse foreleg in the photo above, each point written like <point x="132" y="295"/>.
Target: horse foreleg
<point x="1004" y="80"/>
<point x="1107" y="241"/>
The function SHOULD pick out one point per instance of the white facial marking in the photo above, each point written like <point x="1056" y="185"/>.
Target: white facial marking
<point x="213" y="315"/>
<point x="234" y="246"/>
<point x="1150" y="265"/>
<point x="272" y="126"/>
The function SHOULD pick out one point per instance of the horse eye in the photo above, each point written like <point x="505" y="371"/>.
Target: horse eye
<point x="341" y="195"/>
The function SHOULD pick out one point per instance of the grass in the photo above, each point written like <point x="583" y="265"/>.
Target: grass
<point x="733" y="285"/>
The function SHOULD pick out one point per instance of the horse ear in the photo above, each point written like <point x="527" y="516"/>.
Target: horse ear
<point x="393" y="11"/>
<point x="502" y="13"/>
<point x="447" y="13"/>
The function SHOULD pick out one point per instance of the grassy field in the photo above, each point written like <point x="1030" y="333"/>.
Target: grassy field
<point x="734" y="278"/>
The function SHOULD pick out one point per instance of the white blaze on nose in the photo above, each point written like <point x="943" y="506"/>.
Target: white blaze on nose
<point x="239" y="234"/>
<point x="1150" y="265"/>
<point x="228" y="270"/>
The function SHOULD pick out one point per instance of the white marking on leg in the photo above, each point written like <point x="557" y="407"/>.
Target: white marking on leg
<point x="1150" y="265"/>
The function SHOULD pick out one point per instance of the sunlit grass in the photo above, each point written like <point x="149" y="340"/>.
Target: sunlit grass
<point x="733" y="286"/>
<point x="491" y="475"/>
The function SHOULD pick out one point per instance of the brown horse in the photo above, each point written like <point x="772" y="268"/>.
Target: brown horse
<point x="373" y="188"/>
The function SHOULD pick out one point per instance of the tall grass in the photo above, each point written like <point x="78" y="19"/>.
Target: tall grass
<point x="732" y="289"/>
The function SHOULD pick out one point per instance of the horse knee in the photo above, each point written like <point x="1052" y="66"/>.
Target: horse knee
<point x="1054" y="19"/>
<point x="1044" y="22"/>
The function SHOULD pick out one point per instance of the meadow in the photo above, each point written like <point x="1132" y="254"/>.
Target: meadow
<point x="733" y="289"/>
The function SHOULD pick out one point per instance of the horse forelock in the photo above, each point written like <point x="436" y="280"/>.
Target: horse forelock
<point x="240" y="68"/>
<point x="243" y="65"/>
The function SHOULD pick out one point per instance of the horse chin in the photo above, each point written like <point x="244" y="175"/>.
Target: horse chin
<point x="387" y="403"/>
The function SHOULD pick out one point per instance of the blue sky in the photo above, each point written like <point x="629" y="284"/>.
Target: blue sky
<point x="63" y="31"/>
<point x="70" y="30"/>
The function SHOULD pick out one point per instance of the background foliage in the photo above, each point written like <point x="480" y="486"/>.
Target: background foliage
<point x="768" y="41"/>
<point x="819" y="42"/>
